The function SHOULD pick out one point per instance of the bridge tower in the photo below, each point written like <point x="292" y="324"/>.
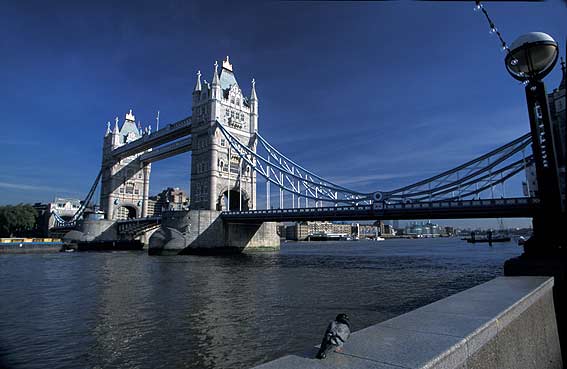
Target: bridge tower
<point x="220" y="180"/>
<point x="125" y="182"/>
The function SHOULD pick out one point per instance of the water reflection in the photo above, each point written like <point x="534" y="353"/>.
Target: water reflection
<point x="129" y="310"/>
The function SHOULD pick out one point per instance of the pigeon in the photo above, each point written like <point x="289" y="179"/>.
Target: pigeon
<point x="335" y="336"/>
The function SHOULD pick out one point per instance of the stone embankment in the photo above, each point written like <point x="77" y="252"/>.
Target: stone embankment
<point x="506" y="323"/>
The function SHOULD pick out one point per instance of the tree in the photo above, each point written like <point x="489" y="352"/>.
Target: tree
<point x="17" y="220"/>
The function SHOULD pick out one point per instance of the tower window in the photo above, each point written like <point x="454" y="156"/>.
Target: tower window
<point x="222" y="142"/>
<point x="237" y="101"/>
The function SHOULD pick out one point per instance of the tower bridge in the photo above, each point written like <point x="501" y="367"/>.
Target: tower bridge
<point x="229" y="158"/>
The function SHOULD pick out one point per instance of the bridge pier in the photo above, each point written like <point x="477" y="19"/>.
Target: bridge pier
<point x="205" y="232"/>
<point x="93" y="230"/>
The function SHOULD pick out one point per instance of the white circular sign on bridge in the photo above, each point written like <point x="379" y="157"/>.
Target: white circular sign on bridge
<point x="378" y="196"/>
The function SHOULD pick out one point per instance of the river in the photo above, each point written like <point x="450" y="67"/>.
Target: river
<point x="131" y="310"/>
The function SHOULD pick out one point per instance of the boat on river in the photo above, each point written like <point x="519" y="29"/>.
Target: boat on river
<point x="489" y="237"/>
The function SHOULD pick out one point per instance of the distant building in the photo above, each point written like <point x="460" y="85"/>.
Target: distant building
<point x="396" y="224"/>
<point x="297" y="232"/>
<point x="64" y="207"/>
<point x="450" y="231"/>
<point x="302" y="231"/>
<point x="423" y="229"/>
<point x="169" y="199"/>
<point x="389" y="230"/>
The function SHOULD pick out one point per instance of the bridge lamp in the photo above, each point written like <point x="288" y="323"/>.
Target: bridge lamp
<point x="530" y="58"/>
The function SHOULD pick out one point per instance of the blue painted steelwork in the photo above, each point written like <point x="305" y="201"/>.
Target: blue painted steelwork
<point x="464" y="182"/>
<point x="491" y="208"/>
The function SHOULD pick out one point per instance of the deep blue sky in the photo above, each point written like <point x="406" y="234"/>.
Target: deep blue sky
<point x="373" y="95"/>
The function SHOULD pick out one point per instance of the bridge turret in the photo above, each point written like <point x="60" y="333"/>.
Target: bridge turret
<point x="215" y="84"/>
<point x="253" y="108"/>
<point x="125" y="181"/>
<point x="198" y="84"/>
<point x="115" y="137"/>
<point x="197" y="90"/>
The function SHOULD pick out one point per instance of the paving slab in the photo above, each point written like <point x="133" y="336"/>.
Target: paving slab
<point x="401" y="347"/>
<point x="333" y="361"/>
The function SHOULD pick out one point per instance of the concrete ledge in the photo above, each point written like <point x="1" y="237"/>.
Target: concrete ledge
<point x="508" y="322"/>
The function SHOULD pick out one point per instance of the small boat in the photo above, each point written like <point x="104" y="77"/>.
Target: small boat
<point x="379" y="239"/>
<point x="486" y="239"/>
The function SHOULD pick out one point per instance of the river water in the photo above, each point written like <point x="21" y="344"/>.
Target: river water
<point x="130" y="310"/>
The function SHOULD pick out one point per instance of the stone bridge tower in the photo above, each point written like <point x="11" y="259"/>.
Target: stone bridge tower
<point x="125" y="182"/>
<point x="220" y="180"/>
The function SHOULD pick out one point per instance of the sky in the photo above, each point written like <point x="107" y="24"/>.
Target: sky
<point x="372" y="95"/>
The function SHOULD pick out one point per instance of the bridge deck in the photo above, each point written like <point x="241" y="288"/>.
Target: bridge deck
<point x="494" y="208"/>
<point x="166" y="134"/>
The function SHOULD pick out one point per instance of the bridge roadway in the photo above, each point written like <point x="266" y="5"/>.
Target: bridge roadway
<point x="522" y="207"/>
<point x="166" y="134"/>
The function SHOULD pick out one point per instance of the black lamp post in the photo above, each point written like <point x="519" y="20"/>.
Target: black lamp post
<point x="531" y="57"/>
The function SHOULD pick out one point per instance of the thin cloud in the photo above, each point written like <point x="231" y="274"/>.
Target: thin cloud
<point x="26" y="187"/>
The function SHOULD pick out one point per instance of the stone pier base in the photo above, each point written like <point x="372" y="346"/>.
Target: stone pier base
<point x="93" y="230"/>
<point x="204" y="232"/>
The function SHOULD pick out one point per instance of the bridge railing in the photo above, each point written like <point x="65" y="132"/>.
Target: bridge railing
<point x="516" y="207"/>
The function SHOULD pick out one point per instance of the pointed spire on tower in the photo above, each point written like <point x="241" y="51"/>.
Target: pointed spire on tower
<point x="115" y="130"/>
<point x="198" y="85"/>
<point x="253" y="96"/>
<point x="216" y="74"/>
<point x="226" y="64"/>
<point x="130" y="116"/>
<point x="107" y="129"/>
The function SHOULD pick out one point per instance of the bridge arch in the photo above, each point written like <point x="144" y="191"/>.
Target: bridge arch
<point x="222" y="200"/>
<point x="126" y="211"/>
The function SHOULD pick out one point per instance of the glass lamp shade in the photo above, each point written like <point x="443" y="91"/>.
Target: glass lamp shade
<point x="532" y="56"/>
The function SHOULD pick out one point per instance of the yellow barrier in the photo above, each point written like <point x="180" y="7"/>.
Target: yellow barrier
<point x="28" y="240"/>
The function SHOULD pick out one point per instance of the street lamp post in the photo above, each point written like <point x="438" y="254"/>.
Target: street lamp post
<point x="531" y="57"/>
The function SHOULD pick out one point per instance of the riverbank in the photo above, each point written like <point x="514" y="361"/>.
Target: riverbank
<point x="508" y="322"/>
<point x="15" y="245"/>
